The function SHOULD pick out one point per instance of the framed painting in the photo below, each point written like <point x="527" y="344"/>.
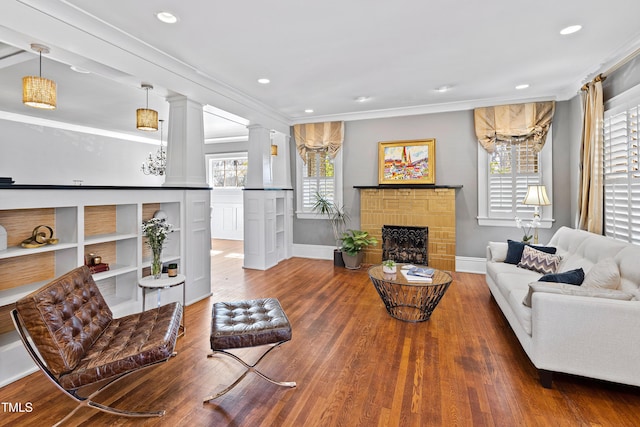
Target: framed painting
<point x="407" y="162"/>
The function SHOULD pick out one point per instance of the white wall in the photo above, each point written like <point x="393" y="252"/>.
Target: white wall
<point x="227" y="214"/>
<point x="35" y="154"/>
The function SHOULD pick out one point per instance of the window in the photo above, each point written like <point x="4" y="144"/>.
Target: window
<point x="228" y="173"/>
<point x="503" y="179"/>
<point x="621" y="174"/>
<point x="320" y="174"/>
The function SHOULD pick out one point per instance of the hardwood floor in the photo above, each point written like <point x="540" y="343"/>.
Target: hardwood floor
<point x="354" y="364"/>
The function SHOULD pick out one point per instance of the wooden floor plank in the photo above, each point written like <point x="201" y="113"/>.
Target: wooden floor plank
<point x="354" y="364"/>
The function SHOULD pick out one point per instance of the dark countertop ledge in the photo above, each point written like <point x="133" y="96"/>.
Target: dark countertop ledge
<point x="91" y="187"/>
<point x="402" y="186"/>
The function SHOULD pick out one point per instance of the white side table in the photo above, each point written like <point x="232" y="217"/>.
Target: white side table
<point x="164" y="282"/>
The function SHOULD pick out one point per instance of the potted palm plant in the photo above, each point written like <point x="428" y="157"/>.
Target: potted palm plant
<point x="353" y="242"/>
<point x="338" y="218"/>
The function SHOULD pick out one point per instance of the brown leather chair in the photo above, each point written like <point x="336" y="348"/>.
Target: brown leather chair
<point x="79" y="343"/>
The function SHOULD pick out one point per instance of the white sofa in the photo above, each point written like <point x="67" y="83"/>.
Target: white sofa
<point x="580" y="335"/>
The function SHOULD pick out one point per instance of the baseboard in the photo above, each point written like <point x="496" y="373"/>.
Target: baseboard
<point x="313" y="251"/>
<point x="471" y="265"/>
<point x="463" y="264"/>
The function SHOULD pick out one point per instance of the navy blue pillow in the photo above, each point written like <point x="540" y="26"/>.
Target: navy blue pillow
<point x="515" y="249"/>
<point x="573" y="277"/>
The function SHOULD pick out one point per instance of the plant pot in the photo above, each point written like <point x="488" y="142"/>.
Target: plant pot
<point x="337" y="258"/>
<point x="389" y="270"/>
<point x="352" y="262"/>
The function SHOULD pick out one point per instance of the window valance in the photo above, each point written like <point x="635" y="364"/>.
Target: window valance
<point x="327" y="136"/>
<point x="514" y="123"/>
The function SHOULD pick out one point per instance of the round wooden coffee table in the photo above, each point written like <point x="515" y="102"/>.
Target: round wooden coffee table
<point x="407" y="300"/>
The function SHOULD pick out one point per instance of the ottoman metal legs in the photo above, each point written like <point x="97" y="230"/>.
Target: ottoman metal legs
<point x="251" y="323"/>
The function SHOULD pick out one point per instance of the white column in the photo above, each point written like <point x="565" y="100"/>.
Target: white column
<point x="259" y="170"/>
<point x="185" y="145"/>
<point x="280" y="164"/>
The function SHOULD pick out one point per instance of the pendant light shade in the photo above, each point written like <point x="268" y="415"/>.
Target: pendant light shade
<point x="147" y="119"/>
<point x="37" y="91"/>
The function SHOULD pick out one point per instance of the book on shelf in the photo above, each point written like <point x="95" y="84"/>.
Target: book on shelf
<point x="99" y="268"/>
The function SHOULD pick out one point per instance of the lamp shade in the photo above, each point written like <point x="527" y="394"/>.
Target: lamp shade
<point x="537" y="196"/>
<point x="146" y="119"/>
<point x="39" y="92"/>
<point x="274" y="150"/>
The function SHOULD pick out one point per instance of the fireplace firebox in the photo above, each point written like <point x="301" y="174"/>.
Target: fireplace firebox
<point x="405" y="244"/>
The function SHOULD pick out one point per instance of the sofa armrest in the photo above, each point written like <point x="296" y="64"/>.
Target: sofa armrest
<point x="592" y="337"/>
<point x="497" y="251"/>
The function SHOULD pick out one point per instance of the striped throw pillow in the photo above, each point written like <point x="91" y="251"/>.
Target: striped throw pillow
<point x="533" y="259"/>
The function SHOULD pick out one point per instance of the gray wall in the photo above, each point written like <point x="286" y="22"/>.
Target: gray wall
<point x="456" y="164"/>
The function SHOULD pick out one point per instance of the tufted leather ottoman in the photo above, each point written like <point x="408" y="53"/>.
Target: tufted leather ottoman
<point x="249" y="323"/>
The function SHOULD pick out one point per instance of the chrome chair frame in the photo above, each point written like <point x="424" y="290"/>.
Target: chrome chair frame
<point x="250" y="368"/>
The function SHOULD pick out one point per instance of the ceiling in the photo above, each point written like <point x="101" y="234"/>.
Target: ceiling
<point x="320" y="56"/>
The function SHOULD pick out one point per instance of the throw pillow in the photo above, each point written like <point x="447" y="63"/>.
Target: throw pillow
<point x="542" y="262"/>
<point x="515" y="249"/>
<point x="565" y="289"/>
<point x="498" y="251"/>
<point x="605" y="274"/>
<point x="572" y="277"/>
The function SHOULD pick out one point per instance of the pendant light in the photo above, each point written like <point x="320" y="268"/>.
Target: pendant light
<point x="146" y="119"/>
<point x="38" y="92"/>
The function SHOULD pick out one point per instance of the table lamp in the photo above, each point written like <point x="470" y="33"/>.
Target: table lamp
<point x="536" y="196"/>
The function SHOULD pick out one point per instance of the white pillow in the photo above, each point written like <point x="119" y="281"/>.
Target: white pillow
<point x="566" y="289"/>
<point x="498" y="251"/>
<point x="604" y="275"/>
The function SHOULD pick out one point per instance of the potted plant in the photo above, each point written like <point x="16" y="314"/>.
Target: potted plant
<point x="353" y="242"/>
<point x="389" y="266"/>
<point x="338" y="218"/>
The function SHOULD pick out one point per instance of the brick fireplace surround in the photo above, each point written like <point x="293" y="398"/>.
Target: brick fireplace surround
<point x="432" y="206"/>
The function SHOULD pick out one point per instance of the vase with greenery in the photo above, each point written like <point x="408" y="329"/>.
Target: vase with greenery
<point x="389" y="266"/>
<point x="353" y="242"/>
<point x="338" y="218"/>
<point x="156" y="231"/>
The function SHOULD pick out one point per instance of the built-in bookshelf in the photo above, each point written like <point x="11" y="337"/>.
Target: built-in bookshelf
<point x="102" y="221"/>
<point x="268" y="227"/>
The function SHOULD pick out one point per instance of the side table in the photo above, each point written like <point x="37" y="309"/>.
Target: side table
<point x="164" y="282"/>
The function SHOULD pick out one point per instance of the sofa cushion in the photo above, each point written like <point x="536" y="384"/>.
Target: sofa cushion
<point x="533" y="259"/>
<point x="604" y="274"/>
<point x="573" y="277"/>
<point x="498" y="251"/>
<point x="515" y="250"/>
<point x="522" y="312"/>
<point x="566" y="289"/>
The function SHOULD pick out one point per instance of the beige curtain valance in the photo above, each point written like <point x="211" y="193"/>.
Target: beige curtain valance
<point x="318" y="136"/>
<point x="514" y="123"/>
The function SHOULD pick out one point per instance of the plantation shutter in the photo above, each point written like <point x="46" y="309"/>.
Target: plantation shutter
<point x="512" y="168"/>
<point x="621" y="175"/>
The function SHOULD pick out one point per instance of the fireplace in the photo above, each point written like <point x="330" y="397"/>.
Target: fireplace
<point x="406" y="244"/>
<point x="421" y="206"/>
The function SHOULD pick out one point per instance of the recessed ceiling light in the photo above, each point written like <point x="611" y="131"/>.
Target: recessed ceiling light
<point x="362" y="99"/>
<point x="308" y="110"/>
<point x="570" y="29"/>
<point x="264" y="81"/>
<point x="79" y="70"/>
<point x="443" y="89"/>
<point x="522" y="86"/>
<point x="167" y="17"/>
